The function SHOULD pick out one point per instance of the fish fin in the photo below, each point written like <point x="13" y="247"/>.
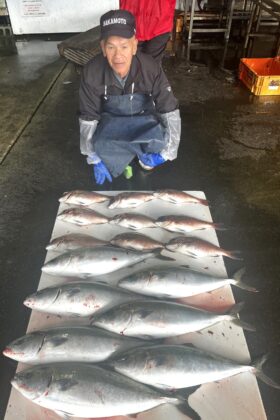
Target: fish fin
<point x="164" y="258"/>
<point x="233" y="316"/>
<point x="235" y="309"/>
<point x="191" y="255"/>
<point x="183" y="406"/>
<point x="261" y="375"/>
<point x="236" y="281"/>
<point x="58" y="341"/>
<point x="219" y="226"/>
<point x="185" y="266"/>
<point x="112" y="204"/>
<point x="234" y="255"/>
<point x="245" y="325"/>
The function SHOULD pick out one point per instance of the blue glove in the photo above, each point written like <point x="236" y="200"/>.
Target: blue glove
<point x="152" y="159"/>
<point x="101" y="173"/>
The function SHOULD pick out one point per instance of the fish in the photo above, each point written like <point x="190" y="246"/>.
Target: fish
<point x="68" y="344"/>
<point x="88" y="262"/>
<point x="130" y="200"/>
<point x="85" y="390"/>
<point x="83" y="198"/>
<point x="198" y="248"/>
<point x="80" y="299"/>
<point x="82" y="217"/>
<point x="159" y="319"/>
<point x="73" y="241"/>
<point x="184" y="224"/>
<point x="178" y="197"/>
<point x="133" y="221"/>
<point x="177" y="282"/>
<point x="170" y="367"/>
<point x="136" y="241"/>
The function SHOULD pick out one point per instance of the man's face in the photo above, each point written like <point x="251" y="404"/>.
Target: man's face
<point x="119" y="52"/>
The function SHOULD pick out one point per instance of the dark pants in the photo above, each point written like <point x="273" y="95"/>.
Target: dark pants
<point x="155" y="46"/>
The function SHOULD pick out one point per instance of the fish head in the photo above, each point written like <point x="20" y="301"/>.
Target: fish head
<point x="25" y="349"/>
<point x="176" y="243"/>
<point x="116" y="319"/>
<point x="130" y="362"/>
<point x="42" y="299"/>
<point x="137" y="280"/>
<point x="65" y="214"/>
<point x="33" y="383"/>
<point x="58" y="264"/>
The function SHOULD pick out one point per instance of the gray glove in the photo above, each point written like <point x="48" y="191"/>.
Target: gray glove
<point x="172" y="124"/>
<point x="87" y="129"/>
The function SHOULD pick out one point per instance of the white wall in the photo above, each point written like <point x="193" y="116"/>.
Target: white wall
<point x="56" y="16"/>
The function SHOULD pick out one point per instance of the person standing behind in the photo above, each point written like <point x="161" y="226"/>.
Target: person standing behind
<point x="154" y="22"/>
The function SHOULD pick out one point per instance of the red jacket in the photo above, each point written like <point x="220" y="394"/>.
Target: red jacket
<point x="153" y="17"/>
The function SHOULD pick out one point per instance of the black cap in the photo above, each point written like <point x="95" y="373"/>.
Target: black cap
<point x="117" y="23"/>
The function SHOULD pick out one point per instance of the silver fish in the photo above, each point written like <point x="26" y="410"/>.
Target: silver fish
<point x="78" y="299"/>
<point x="136" y="241"/>
<point x="178" y="197"/>
<point x="88" y="262"/>
<point x="82" y="217"/>
<point x="83" y="198"/>
<point x="184" y="224"/>
<point x="68" y="344"/>
<point x="129" y="200"/>
<point x="158" y="319"/>
<point x="176" y="282"/>
<point x="197" y="248"/>
<point x="73" y="241"/>
<point x="87" y="391"/>
<point x="133" y="221"/>
<point x="170" y="367"/>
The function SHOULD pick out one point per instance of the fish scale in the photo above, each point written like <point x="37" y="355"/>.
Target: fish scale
<point x="87" y="262"/>
<point x="172" y="367"/>
<point x="78" y="299"/>
<point x="84" y="390"/>
<point x="68" y="344"/>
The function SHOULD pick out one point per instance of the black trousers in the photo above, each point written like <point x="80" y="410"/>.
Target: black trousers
<point x="155" y="46"/>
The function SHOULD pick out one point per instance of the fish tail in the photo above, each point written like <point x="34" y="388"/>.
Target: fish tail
<point x="233" y="316"/>
<point x="237" y="281"/>
<point x="261" y="375"/>
<point x="219" y="226"/>
<point x="204" y="202"/>
<point x="234" y="255"/>
<point x="245" y="325"/>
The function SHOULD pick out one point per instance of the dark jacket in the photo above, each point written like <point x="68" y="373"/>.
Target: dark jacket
<point x="148" y="78"/>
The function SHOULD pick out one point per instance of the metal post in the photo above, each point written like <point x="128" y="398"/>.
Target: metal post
<point x="249" y="27"/>
<point x="184" y="26"/>
<point x="190" y="32"/>
<point x="228" y="28"/>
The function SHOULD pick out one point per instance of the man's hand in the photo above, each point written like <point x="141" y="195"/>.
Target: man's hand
<point x="101" y="173"/>
<point x="152" y="159"/>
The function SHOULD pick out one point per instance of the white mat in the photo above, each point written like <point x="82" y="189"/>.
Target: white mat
<point x="236" y="398"/>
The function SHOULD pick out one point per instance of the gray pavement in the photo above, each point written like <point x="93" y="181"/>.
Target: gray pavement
<point x="26" y="78"/>
<point x="229" y="149"/>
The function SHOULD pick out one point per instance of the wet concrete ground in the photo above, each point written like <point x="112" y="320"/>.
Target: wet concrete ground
<point x="229" y="149"/>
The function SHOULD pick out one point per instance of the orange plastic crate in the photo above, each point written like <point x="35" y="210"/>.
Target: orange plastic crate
<point x="261" y="75"/>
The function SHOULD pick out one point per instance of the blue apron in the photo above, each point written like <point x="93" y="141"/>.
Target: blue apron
<point x="128" y="127"/>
